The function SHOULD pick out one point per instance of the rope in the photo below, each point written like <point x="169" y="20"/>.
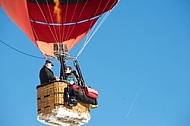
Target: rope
<point x="64" y="20"/>
<point x="93" y="31"/>
<point x="89" y="36"/>
<point x="69" y="28"/>
<point x="42" y="12"/>
<point x="20" y="51"/>
<point x="55" y="36"/>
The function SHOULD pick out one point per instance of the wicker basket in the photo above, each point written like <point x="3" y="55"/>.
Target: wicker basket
<point x="50" y="101"/>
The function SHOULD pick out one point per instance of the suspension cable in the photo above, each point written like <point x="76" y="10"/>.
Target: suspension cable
<point x="20" y="51"/>
<point x="68" y="34"/>
<point x="42" y="12"/>
<point x="51" y="17"/>
<point x="89" y="36"/>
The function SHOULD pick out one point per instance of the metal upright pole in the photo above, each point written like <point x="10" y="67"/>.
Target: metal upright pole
<point x="62" y="68"/>
<point x="60" y="51"/>
<point x="80" y="73"/>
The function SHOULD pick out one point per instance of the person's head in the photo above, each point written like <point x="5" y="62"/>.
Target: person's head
<point x="48" y="64"/>
<point x="68" y="69"/>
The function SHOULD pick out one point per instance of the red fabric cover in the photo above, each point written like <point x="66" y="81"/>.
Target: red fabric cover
<point x="75" y="87"/>
<point x="90" y="92"/>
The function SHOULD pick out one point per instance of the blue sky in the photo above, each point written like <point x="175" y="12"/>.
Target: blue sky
<point x="138" y="61"/>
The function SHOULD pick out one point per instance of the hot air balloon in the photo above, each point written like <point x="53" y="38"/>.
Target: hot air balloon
<point x="55" y="27"/>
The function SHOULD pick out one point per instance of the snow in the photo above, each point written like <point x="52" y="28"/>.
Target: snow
<point x="64" y="117"/>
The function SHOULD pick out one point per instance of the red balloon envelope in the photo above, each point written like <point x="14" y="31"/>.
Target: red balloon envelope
<point x="47" y="22"/>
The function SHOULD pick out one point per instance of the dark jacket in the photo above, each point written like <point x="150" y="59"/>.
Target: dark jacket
<point x="46" y="75"/>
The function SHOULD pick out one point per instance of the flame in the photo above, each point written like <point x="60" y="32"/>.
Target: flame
<point x="57" y="10"/>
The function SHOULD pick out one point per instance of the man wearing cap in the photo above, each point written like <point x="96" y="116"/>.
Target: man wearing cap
<point x="46" y="74"/>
